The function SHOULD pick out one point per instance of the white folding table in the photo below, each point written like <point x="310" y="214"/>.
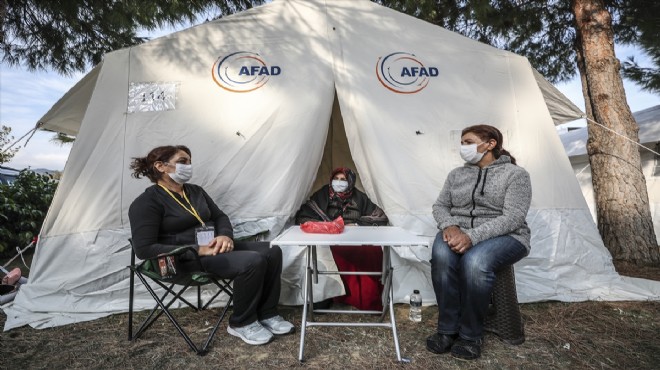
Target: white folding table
<point x="385" y="236"/>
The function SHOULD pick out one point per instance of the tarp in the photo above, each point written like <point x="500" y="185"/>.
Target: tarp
<point x="269" y="100"/>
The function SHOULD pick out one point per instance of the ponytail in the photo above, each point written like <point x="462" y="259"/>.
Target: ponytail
<point x="141" y="168"/>
<point x="505" y="152"/>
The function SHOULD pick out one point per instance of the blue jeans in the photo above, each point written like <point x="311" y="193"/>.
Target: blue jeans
<point x="463" y="282"/>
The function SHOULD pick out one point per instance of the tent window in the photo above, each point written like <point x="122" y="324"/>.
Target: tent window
<point x="151" y="96"/>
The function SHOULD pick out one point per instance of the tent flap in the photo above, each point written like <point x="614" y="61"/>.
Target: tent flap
<point x="67" y="114"/>
<point x="561" y="109"/>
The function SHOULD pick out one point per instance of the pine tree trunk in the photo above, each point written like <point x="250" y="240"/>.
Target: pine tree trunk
<point x="624" y="217"/>
<point x="3" y="15"/>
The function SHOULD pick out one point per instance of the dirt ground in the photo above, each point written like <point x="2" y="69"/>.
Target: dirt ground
<point x="586" y="335"/>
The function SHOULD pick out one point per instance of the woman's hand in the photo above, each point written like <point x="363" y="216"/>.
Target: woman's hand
<point x="220" y="244"/>
<point x="449" y="233"/>
<point x="458" y="241"/>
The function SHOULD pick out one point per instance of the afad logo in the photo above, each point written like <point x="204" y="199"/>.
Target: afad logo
<point x="243" y="71"/>
<point x="404" y="73"/>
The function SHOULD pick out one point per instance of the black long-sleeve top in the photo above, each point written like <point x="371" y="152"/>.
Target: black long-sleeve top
<point x="357" y="209"/>
<point x="159" y="224"/>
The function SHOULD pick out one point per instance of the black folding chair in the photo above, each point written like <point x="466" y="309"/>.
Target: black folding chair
<point x="148" y="271"/>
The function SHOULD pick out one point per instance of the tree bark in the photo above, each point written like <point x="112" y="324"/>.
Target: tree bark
<point x="3" y="15"/>
<point x="624" y="216"/>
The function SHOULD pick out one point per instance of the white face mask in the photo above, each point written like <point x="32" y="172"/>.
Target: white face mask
<point x="470" y="154"/>
<point x="182" y="173"/>
<point x="339" y="186"/>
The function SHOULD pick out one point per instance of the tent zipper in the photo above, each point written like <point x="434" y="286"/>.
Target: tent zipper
<point x="483" y="184"/>
<point x="474" y="203"/>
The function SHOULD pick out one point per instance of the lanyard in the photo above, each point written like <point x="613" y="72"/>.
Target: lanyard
<point x="192" y="209"/>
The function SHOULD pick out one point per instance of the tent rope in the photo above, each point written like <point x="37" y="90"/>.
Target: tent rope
<point x="623" y="136"/>
<point x="582" y="170"/>
<point x="32" y="131"/>
<point x="20" y="253"/>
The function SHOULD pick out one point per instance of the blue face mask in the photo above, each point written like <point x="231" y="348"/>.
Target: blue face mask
<point x="339" y="186"/>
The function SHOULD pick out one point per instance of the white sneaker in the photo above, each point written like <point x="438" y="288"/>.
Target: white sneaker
<point x="277" y="325"/>
<point x="254" y="333"/>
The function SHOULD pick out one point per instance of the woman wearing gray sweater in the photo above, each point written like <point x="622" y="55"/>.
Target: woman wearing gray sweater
<point x="480" y="213"/>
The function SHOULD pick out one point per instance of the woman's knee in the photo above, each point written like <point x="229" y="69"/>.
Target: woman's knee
<point x="476" y="270"/>
<point x="251" y="261"/>
<point x="492" y="254"/>
<point x="272" y="253"/>
<point x="275" y="253"/>
<point x="441" y="253"/>
<point x="473" y="263"/>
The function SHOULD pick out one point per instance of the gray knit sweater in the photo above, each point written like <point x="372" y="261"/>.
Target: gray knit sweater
<point x="486" y="202"/>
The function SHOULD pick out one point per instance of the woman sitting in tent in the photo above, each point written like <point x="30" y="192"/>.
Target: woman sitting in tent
<point x="341" y="198"/>
<point x="173" y="213"/>
<point x="481" y="214"/>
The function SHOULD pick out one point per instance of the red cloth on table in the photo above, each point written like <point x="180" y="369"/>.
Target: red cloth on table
<point x="362" y="291"/>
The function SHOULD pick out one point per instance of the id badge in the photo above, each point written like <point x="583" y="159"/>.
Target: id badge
<point x="204" y="235"/>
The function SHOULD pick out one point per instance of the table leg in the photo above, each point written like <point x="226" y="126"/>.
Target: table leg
<point x="386" y="264"/>
<point x="315" y="267"/>
<point x="313" y="279"/>
<point x="388" y="272"/>
<point x="387" y="284"/>
<point x="393" y="321"/>
<point x="385" y="279"/>
<point x="306" y="303"/>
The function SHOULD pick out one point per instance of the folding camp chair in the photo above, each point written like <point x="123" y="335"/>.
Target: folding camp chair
<point x="149" y="270"/>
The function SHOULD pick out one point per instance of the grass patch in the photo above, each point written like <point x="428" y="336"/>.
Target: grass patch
<point x="585" y="335"/>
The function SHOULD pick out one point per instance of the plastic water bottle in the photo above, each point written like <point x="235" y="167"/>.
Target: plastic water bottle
<point x="415" y="314"/>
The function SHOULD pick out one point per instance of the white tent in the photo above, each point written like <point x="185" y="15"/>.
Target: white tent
<point x="648" y="120"/>
<point x="270" y="100"/>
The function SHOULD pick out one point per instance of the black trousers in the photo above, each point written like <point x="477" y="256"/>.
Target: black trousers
<point x="256" y="268"/>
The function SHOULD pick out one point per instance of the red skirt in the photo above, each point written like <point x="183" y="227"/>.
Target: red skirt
<point x="362" y="291"/>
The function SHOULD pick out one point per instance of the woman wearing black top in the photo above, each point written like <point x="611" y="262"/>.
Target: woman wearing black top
<point x="172" y="213"/>
<point x="340" y="198"/>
